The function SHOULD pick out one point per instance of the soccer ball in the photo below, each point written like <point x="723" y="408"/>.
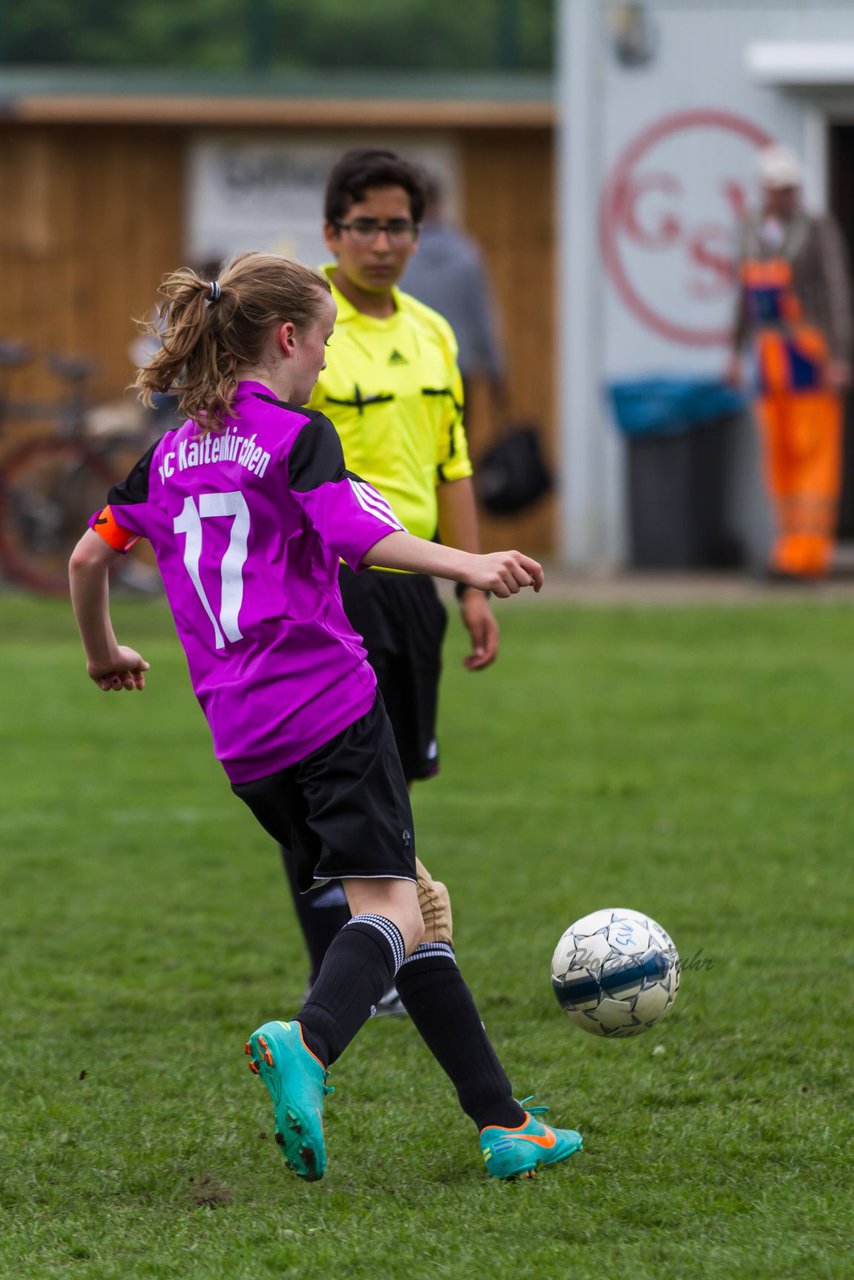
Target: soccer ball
<point x="615" y="972"/>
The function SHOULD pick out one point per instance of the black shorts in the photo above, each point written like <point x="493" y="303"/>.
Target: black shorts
<point x="344" y="810"/>
<point x="402" y="622"/>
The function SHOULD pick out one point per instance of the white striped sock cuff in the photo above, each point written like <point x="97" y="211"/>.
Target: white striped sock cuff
<point x="428" y="949"/>
<point x="389" y="930"/>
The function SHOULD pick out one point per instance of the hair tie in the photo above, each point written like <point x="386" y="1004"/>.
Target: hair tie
<point x="215" y="292"/>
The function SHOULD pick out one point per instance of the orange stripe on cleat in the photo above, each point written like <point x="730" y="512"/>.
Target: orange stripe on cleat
<point x="254" y="1068"/>
<point x="247" y="1049"/>
<point x="547" y="1140"/>
<point x="311" y="1051"/>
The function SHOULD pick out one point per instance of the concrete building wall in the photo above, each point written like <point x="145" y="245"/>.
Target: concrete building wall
<point x="664" y="108"/>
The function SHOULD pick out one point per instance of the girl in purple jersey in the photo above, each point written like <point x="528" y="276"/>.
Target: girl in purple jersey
<point x="249" y="509"/>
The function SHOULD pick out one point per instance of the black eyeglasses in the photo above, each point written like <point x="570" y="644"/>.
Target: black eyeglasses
<point x="364" y="231"/>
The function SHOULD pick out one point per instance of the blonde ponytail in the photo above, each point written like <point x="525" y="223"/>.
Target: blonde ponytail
<point x="208" y="329"/>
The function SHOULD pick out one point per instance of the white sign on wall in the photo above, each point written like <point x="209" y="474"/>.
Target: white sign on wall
<point x="266" y="192"/>
<point x="681" y="137"/>
<point x="669" y="225"/>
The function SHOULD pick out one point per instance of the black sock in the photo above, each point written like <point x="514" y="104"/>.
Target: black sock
<point x="321" y="913"/>
<point x="443" y="1009"/>
<point x="359" y="965"/>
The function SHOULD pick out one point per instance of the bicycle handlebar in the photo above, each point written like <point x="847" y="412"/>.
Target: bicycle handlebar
<point x="14" y="353"/>
<point x="73" y="368"/>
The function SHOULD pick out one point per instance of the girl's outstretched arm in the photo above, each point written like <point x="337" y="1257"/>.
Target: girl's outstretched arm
<point x="504" y="573"/>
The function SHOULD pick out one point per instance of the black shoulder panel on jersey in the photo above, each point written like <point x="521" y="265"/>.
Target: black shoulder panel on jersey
<point x="316" y="456"/>
<point x="284" y="404"/>
<point x="298" y="409"/>
<point x="133" y="490"/>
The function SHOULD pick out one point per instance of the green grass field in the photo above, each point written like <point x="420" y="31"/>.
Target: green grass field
<point x="694" y="763"/>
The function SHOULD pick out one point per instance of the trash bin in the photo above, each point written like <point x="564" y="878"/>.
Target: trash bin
<point x="678" y="435"/>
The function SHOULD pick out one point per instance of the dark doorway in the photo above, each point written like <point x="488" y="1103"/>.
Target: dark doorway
<point x="841" y="196"/>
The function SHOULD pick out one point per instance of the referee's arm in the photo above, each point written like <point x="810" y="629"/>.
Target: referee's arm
<point x="458" y="528"/>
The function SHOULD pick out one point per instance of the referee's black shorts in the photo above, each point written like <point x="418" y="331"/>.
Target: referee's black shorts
<point x="344" y="810"/>
<point x="402" y="622"/>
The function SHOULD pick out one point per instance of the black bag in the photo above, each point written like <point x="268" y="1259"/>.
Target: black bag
<point x="512" y="475"/>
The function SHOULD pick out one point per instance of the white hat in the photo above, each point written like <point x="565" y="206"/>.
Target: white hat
<point x="778" y="167"/>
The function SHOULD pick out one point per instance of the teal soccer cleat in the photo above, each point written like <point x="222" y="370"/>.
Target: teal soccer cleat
<point x="296" y="1080"/>
<point x="516" y="1153"/>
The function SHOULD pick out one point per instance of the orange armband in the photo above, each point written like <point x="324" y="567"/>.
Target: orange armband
<point x="107" y="527"/>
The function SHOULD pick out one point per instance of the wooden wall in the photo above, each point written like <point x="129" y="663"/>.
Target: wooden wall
<point x="509" y="209"/>
<point x="91" y="216"/>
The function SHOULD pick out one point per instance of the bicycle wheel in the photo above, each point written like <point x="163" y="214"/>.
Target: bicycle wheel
<point x="48" y="490"/>
<point x="135" y="574"/>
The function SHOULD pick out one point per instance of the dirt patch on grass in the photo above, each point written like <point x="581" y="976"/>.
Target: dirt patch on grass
<point x="209" y="1192"/>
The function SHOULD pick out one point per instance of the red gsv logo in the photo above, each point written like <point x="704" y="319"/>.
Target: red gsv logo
<point x="669" y="218"/>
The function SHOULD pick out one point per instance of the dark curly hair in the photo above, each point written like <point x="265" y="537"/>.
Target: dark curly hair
<point x="366" y="168"/>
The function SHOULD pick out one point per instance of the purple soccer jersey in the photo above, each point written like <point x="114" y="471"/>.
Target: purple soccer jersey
<point x="248" y="525"/>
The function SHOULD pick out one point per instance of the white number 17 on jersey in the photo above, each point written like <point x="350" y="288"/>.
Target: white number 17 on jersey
<point x="212" y="505"/>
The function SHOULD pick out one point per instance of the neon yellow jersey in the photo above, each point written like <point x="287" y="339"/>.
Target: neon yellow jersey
<point x="393" y="390"/>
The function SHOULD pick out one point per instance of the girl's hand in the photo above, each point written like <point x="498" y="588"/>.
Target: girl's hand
<point x="126" y="671"/>
<point x="505" y="573"/>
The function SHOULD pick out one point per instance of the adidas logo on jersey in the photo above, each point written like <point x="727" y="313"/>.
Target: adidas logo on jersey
<point x="397" y="358"/>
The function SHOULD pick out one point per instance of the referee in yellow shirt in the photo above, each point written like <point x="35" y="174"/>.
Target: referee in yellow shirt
<point x="393" y="390"/>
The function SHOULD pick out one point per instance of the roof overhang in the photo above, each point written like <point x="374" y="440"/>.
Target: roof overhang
<point x="801" y="63"/>
<point x="105" y="96"/>
<point x="283" y="112"/>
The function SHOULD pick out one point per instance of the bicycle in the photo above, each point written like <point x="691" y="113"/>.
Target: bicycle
<point x="51" y="483"/>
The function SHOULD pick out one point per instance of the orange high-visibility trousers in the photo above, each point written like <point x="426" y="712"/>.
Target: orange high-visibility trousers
<point x="802" y="444"/>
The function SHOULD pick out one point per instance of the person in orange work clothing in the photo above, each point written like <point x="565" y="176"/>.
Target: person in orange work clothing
<point x="794" y="301"/>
